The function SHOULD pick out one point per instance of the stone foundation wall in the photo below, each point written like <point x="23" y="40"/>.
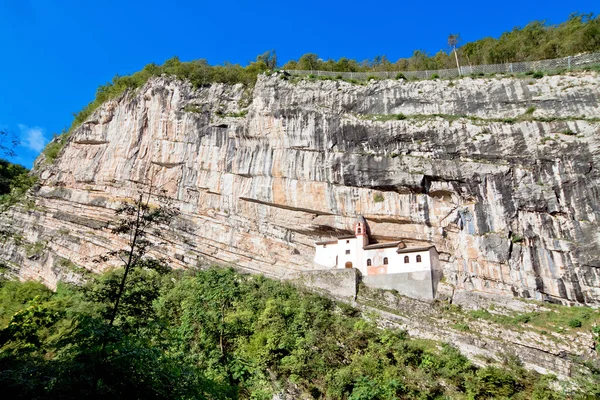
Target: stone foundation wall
<point x="339" y="283"/>
<point x="418" y="285"/>
<point x="343" y="283"/>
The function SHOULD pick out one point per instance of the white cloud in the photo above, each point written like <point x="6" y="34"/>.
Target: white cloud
<point x="33" y="138"/>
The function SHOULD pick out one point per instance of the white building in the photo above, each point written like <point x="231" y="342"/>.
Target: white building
<point x="385" y="265"/>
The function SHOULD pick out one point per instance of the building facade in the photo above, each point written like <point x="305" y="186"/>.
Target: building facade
<point x="393" y="265"/>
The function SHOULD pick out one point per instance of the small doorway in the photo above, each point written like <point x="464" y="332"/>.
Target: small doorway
<point x="349" y="264"/>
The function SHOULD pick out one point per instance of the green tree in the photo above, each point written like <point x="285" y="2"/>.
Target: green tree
<point x="269" y="58"/>
<point x="308" y="61"/>
<point x="11" y="176"/>
<point x="137" y="221"/>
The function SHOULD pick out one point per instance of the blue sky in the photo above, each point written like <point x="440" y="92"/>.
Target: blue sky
<point x="56" y="53"/>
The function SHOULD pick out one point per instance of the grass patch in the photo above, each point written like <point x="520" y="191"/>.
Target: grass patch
<point x="526" y="116"/>
<point x="516" y="238"/>
<point x="53" y="149"/>
<point x="554" y="318"/>
<point x="461" y="326"/>
<point x="568" y="132"/>
<point x="192" y="108"/>
<point x="34" y="249"/>
<point x="240" y="114"/>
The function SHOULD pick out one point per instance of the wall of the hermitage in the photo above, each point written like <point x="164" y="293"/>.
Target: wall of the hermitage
<point x="325" y="255"/>
<point x="348" y="250"/>
<point x="341" y="283"/>
<point x="418" y="285"/>
<point x="396" y="264"/>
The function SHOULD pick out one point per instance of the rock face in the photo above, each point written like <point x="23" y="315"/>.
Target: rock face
<point x="501" y="175"/>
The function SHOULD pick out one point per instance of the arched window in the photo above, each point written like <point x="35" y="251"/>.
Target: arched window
<point x="406" y="260"/>
<point x="385" y="260"/>
<point x="418" y="258"/>
<point x="368" y="262"/>
<point x="359" y="230"/>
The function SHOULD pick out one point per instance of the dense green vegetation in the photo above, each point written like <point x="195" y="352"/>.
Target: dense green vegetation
<point x="15" y="180"/>
<point x="536" y="41"/>
<point x="219" y="334"/>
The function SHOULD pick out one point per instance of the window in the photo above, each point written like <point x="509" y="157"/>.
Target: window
<point x="359" y="230"/>
<point x="347" y="241"/>
<point x="347" y="251"/>
<point x="406" y="260"/>
<point x="418" y="258"/>
<point x="385" y="260"/>
<point x="368" y="262"/>
<point x="324" y="245"/>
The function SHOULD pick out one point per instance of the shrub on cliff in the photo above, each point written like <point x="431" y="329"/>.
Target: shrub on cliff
<point x="15" y="181"/>
<point x="10" y="176"/>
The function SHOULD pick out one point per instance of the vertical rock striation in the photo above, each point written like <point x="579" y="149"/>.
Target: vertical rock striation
<point x="501" y="175"/>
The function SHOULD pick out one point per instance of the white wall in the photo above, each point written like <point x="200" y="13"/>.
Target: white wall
<point x="396" y="261"/>
<point x="355" y="247"/>
<point x="325" y="254"/>
<point x="413" y="265"/>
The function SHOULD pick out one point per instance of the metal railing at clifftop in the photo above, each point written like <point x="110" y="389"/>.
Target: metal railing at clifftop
<point x="565" y="63"/>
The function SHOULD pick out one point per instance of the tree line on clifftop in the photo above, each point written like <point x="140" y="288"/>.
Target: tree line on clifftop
<point x="536" y="41"/>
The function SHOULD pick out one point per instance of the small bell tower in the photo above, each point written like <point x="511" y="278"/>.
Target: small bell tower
<point x="360" y="230"/>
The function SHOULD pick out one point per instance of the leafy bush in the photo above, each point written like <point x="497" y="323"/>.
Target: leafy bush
<point x="15" y="295"/>
<point x="435" y="76"/>
<point x="575" y="323"/>
<point x="491" y="382"/>
<point x="15" y="181"/>
<point x="516" y="238"/>
<point x="378" y="198"/>
<point x="53" y="149"/>
<point x="522" y="318"/>
<point x="9" y="175"/>
<point x="596" y="336"/>
<point x="538" y="74"/>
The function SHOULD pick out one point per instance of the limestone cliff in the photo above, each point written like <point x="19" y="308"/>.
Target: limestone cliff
<point x="501" y="175"/>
